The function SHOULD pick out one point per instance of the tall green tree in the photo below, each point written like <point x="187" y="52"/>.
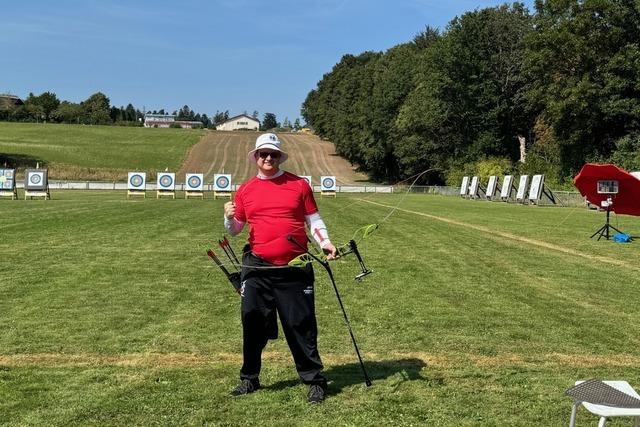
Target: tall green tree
<point x="583" y="61"/>
<point x="468" y="96"/>
<point x="95" y="109"/>
<point x="269" y="121"/>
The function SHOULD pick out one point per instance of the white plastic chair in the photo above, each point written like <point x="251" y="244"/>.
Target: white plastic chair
<point x="605" y="412"/>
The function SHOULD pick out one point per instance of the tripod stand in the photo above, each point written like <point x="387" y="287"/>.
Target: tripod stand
<point x="604" y="230"/>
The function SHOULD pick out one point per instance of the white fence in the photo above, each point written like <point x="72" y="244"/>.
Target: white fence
<point x="95" y="185"/>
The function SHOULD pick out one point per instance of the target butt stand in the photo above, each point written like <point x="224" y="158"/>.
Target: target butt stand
<point x="36" y="183"/>
<point x="194" y="186"/>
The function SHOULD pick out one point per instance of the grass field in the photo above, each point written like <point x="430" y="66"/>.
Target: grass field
<point x="73" y="152"/>
<point x="477" y="314"/>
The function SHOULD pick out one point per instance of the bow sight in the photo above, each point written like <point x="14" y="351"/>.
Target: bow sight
<point x="352" y="247"/>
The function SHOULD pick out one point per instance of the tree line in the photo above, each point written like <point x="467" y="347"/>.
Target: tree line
<point x="97" y="110"/>
<point x="500" y="90"/>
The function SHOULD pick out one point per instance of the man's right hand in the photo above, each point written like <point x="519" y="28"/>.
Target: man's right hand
<point x="229" y="210"/>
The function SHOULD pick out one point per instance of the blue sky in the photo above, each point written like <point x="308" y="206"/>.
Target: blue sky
<point x="211" y="55"/>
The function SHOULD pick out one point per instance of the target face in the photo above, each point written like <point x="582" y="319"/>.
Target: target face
<point x="166" y="181"/>
<point x="222" y="182"/>
<point x="6" y="179"/>
<point x="328" y="183"/>
<point x="35" y="179"/>
<point x="137" y="180"/>
<point x="194" y="181"/>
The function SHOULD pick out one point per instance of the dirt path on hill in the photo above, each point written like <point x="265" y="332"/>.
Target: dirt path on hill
<point x="225" y="152"/>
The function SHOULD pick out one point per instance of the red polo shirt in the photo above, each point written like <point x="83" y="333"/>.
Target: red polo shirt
<point x="274" y="209"/>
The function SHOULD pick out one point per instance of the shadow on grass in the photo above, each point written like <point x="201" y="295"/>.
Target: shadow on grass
<point x="19" y="161"/>
<point x="351" y="374"/>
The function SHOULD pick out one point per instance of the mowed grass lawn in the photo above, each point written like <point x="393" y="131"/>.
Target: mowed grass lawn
<point x="477" y="314"/>
<point x="94" y="152"/>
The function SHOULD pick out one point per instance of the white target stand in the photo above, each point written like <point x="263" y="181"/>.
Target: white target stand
<point x="136" y="185"/>
<point x="166" y="185"/>
<point x="36" y="183"/>
<point x="328" y="186"/>
<point x="8" y="183"/>
<point x="507" y="188"/>
<point x="194" y="186"/>
<point x="464" y="187"/>
<point x="522" y="189"/>
<point x="221" y="185"/>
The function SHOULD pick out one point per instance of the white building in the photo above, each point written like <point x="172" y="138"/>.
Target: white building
<point x="166" y="120"/>
<point x="242" y="121"/>
<point x="158" y="120"/>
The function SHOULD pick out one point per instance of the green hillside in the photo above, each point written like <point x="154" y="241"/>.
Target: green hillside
<point x="94" y="152"/>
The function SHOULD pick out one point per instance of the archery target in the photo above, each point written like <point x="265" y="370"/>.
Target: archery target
<point x="195" y="182"/>
<point x="491" y="186"/>
<point x="136" y="181"/>
<point x="464" y="187"/>
<point x="222" y="182"/>
<point x="306" y="178"/>
<point x="507" y="183"/>
<point x="35" y="179"/>
<point x="473" y="188"/>
<point x="328" y="183"/>
<point x="166" y="181"/>
<point x="522" y="187"/>
<point x="537" y="182"/>
<point x="6" y="179"/>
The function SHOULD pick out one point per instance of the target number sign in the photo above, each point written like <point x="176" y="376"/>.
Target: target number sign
<point x="166" y="181"/>
<point x="222" y="182"/>
<point x="136" y="181"/>
<point x="35" y="179"/>
<point x="328" y="183"/>
<point x="195" y="181"/>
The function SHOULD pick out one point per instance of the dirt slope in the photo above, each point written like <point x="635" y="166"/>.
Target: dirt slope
<point x="226" y="152"/>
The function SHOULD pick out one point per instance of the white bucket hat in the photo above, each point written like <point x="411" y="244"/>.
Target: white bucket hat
<point x="267" y="141"/>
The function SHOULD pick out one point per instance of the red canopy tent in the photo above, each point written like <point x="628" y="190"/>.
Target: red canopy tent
<point x="626" y="201"/>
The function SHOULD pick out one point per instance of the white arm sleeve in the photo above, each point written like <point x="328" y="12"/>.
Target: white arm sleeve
<point x="318" y="229"/>
<point x="233" y="226"/>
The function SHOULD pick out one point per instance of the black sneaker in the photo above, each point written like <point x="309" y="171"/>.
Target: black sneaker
<point x="316" y="393"/>
<point x="246" y="387"/>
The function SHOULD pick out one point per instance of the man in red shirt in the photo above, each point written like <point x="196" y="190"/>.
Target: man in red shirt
<point x="277" y="205"/>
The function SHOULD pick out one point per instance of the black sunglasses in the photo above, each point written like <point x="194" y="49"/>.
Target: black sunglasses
<point x="273" y="154"/>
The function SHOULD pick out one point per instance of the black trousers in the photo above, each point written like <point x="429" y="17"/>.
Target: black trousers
<point x="289" y="292"/>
